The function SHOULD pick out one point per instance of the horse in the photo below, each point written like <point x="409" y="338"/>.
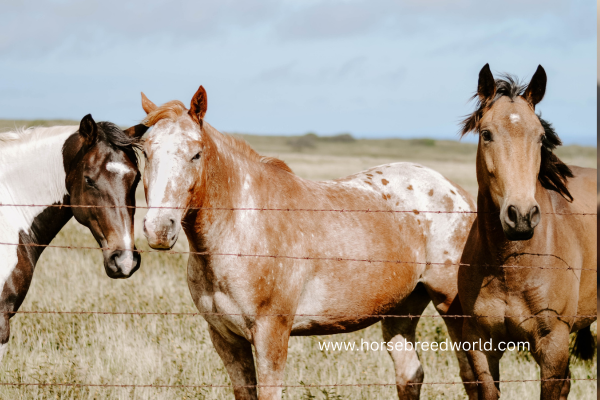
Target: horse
<point x="45" y="174"/>
<point x="304" y="272"/>
<point x="517" y="285"/>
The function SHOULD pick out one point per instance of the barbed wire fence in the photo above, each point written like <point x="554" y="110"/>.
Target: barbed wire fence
<point x="289" y="257"/>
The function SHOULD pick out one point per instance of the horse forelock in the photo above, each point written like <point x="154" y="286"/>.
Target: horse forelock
<point x="506" y="86"/>
<point x="171" y="110"/>
<point x="118" y="140"/>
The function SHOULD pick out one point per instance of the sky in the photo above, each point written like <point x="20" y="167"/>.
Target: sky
<point x="371" y="68"/>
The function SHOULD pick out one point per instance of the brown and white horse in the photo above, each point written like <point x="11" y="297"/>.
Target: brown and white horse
<point x="524" y="187"/>
<point x="190" y="165"/>
<point x="93" y="166"/>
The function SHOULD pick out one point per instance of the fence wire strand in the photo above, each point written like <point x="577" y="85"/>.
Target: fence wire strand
<point x="339" y="259"/>
<point x="378" y="316"/>
<point x="226" y="386"/>
<point x="340" y="210"/>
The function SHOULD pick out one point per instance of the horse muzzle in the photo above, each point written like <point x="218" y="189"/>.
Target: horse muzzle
<point x="162" y="233"/>
<point x="517" y="225"/>
<point x="121" y="264"/>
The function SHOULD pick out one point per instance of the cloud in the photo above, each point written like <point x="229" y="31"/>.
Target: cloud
<point x="38" y="28"/>
<point x="293" y="65"/>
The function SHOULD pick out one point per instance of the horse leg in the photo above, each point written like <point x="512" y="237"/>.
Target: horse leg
<point x="398" y="331"/>
<point x="271" y="337"/>
<point x="566" y="388"/>
<point x="236" y="353"/>
<point x="552" y="354"/>
<point x="485" y="364"/>
<point x="446" y="305"/>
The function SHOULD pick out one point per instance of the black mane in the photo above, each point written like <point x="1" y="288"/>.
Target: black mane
<point x="553" y="172"/>
<point x="114" y="136"/>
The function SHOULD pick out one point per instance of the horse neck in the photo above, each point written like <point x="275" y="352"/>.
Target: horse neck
<point x="33" y="173"/>
<point x="226" y="173"/>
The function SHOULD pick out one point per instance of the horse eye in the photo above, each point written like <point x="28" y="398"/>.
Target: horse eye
<point x="486" y="136"/>
<point x="543" y="138"/>
<point x="196" y="157"/>
<point x="89" y="182"/>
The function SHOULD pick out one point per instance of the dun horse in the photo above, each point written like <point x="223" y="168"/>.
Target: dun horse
<point x="93" y="166"/>
<point x="524" y="187"/>
<point x="300" y="272"/>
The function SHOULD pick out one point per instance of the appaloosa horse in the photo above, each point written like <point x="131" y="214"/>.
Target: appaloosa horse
<point x="193" y="172"/>
<point x="523" y="185"/>
<point x="93" y="166"/>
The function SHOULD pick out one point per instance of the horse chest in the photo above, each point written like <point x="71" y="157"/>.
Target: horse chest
<point x="226" y="305"/>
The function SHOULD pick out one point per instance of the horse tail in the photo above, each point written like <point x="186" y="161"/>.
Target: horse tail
<point x="585" y="345"/>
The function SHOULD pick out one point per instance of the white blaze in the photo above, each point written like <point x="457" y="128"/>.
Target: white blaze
<point x="514" y="118"/>
<point x="117" y="168"/>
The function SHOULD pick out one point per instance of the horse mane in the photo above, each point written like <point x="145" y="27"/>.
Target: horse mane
<point x="175" y="109"/>
<point x="242" y="147"/>
<point x="554" y="173"/>
<point x="115" y="137"/>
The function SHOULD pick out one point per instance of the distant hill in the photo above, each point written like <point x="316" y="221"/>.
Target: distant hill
<point x="10" y="124"/>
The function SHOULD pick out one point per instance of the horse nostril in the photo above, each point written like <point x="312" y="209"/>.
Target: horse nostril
<point x="512" y="216"/>
<point x="534" y="216"/>
<point x="172" y="222"/>
<point x="114" y="257"/>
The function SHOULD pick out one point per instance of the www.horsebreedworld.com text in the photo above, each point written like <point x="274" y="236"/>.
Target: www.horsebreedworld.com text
<point x="405" y="345"/>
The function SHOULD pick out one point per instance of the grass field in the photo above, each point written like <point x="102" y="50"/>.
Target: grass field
<point x="176" y="350"/>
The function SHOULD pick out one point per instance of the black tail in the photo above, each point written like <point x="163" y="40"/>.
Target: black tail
<point x="585" y="345"/>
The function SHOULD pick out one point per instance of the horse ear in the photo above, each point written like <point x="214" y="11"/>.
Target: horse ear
<point x="136" y="131"/>
<point x="147" y="105"/>
<point x="537" y="87"/>
<point x="486" y="86"/>
<point x="198" y="106"/>
<point x="88" y="130"/>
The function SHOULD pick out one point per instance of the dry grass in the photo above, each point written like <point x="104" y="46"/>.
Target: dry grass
<point x="177" y="349"/>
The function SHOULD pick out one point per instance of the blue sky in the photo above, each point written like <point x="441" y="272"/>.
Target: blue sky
<point x="372" y="68"/>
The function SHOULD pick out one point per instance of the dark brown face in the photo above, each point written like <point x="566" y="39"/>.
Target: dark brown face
<point x="104" y="176"/>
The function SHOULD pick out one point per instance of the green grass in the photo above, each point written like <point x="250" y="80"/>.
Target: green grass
<point x="176" y="350"/>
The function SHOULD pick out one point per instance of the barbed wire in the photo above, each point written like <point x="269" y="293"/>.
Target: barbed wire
<point x="275" y="209"/>
<point x="206" y="253"/>
<point x="314" y="385"/>
<point x="379" y="316"/>
<point x="382" y="316"/>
